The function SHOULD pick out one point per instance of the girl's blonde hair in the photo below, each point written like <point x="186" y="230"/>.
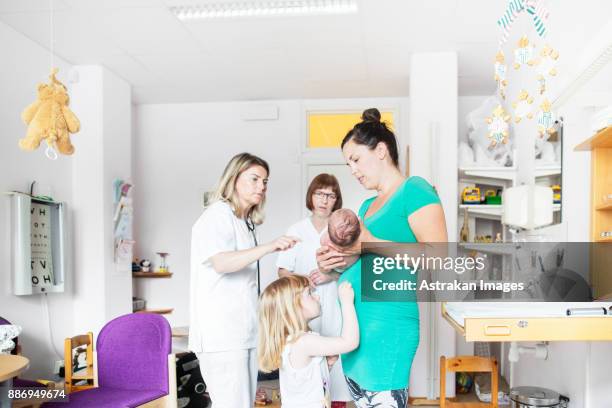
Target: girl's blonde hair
<point x="226" y="189"/>
<point x="280" y="319"/>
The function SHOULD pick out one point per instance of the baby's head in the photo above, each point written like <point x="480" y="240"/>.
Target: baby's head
<point x="343" y="228"/>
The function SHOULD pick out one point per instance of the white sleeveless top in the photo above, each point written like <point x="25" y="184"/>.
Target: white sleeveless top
<point x="306" y="387"/>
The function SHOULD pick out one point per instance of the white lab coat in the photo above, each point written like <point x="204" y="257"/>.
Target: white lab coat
<point x="223" y="309"/>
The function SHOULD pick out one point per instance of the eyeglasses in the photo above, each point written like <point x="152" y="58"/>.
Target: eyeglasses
<point x="322" y="195"/>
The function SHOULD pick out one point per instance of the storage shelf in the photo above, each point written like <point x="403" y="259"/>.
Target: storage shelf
<point x="499" y="173"/>
<point x="602" y="139"/>
<point x="607" y="239"/>
<point x="490" y="211"/>
<point x="156" y="311"/>
<point x="505" y="173"/>
<point x="492" y="248"/>
<point x="548" y="170"/>
<point x="151" y="274"/>
<point x="604" y="207"/>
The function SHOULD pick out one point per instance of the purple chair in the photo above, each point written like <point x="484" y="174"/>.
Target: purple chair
<point x="134" y="365"/>
<point x="18" y="382"/>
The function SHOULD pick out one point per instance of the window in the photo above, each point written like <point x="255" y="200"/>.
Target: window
<point x="327" y="130"/>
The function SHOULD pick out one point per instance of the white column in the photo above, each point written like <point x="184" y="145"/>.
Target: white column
<point x="433" y="155"/>
<point x="102" y="101"/>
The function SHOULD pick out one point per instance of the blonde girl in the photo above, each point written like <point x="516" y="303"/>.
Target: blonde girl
<point x="285" y="341"/>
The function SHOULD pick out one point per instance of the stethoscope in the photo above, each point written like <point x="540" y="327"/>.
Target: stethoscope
<point x="251" y="227"/>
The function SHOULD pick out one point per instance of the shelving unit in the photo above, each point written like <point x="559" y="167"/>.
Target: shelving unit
<point x="491" y="211"/>
<point x="156" y="311"/>
<point x="600" y="146"/>
<point x="485" y="219"/>
<point x="151" y="274"/>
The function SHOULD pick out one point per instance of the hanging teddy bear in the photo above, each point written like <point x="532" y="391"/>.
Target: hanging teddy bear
<point x="522" y="106"/>
<point x="49" y="118"/>
<point x="524" y="54"/>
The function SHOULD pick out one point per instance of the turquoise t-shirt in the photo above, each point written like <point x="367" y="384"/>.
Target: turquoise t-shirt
<point x="389" y="331"/>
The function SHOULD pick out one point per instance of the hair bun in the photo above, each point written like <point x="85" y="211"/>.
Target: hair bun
<point x="371" y="115"/>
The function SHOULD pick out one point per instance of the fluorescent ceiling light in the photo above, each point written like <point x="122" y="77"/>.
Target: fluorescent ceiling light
<point x="275" y="8"/>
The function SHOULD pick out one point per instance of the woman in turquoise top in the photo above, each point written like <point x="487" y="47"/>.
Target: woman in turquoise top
<point x="404" y="211"/>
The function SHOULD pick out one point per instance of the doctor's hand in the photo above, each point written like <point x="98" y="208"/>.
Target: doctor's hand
<point x="282" y="243"/>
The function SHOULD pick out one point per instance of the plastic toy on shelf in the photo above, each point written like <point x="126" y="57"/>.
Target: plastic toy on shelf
<point x="556" y="194"/>
<point x="470" y="195"/>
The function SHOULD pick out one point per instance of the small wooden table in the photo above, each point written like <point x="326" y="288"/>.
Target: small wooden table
<point x="11" y="366"/>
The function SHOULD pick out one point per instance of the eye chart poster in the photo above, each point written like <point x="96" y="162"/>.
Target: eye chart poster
<point x="40" y="238"/>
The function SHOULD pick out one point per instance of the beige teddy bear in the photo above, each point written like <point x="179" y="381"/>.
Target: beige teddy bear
<point x="50" y="118"/>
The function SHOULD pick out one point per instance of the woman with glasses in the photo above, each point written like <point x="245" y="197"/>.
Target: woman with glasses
<point x="322" y="198"/>
<point x="223" y="289"/>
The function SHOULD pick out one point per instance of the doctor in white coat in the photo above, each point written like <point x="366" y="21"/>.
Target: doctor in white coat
<point x="223" y="303"/>
<point x="322" y="198"/>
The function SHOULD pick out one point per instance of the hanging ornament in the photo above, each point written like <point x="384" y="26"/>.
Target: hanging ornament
<point x="535" y="8"/>
<point x="546" y="66"/>
<point x="524" y="54"/>
<point x="546" y="120"/>
<point x="50" y="119"/>
<point x="500" y="73"/>
<point x="522" y="106"/>
<point x="498" y="126"/>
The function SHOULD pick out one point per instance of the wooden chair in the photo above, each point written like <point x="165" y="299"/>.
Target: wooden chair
<point x="468" y="364"/>
<point x="73" y="347"/>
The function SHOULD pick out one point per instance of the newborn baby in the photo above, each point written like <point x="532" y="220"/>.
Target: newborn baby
<point x="343" y="230"/>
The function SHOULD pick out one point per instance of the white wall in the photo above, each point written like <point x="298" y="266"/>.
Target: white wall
<point x="68" y="179"/>
<point x="180" y="151"/>
<point x="24" y="65"/>
<point x="466" y="105"/>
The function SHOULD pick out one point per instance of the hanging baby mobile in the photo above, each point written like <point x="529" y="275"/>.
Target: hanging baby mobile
<point x="498" y="126"/>
<point x="522" y="106"/>
<point x="49" y="118"/>
<point x="546" y="120"/>
<point x="526" y="56"/>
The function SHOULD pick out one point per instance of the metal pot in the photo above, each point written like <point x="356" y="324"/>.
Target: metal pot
<point x="536" y="397"/>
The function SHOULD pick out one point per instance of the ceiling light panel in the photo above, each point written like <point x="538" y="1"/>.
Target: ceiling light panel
<point x="274" y="8"/>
